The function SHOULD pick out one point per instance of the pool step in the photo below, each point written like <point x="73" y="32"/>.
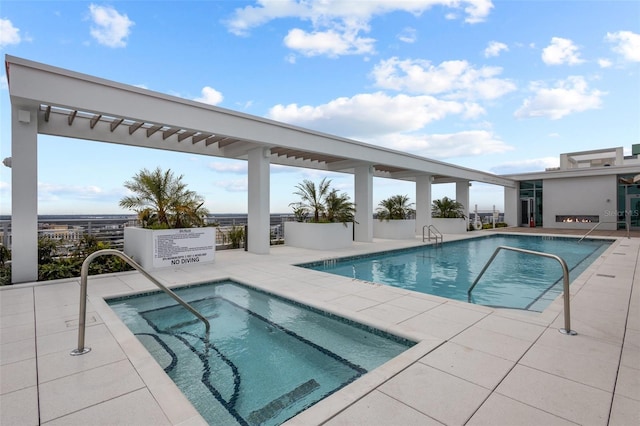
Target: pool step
<point x="273" y="408"/>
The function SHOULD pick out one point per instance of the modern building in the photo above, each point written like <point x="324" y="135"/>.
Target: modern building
<point x="590" y="188"/>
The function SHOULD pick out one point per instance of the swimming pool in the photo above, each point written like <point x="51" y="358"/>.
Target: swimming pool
<point x="514" y="280"/>
<point x="267" y="358"/>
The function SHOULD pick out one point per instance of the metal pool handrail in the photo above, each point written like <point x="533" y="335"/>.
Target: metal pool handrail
<point x="436" y="233"/>
<point x="84" y="272"/>
<point x="565" y="282"/>
<point x="599" y="223"/>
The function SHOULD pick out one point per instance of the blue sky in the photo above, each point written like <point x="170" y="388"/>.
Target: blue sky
<point x="499" y="86"/>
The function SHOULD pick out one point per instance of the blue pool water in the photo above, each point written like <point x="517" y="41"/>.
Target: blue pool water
<point x="267" y="359"/>
<point x="514" y="280"/>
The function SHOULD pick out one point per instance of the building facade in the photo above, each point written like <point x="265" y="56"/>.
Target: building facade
<point x="590" y="188"/>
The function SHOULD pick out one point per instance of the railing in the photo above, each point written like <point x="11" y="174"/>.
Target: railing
<point x="70" y="231"/>
<point x="437" y="234"/>
<point x="81" y="349"/>
<point x="598" y="224"/>
<point x="565" y="281"/>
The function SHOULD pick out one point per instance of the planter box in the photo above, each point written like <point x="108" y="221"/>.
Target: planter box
<point x="318" y="236"/>
<point x="450" y="225"/>
<point x="170" y="247"/>
<point x="395" y="229"/>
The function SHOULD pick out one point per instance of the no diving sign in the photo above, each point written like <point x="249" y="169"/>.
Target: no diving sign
<point x="179" y="247"/>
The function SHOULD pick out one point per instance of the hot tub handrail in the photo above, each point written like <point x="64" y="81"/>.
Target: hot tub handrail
<point x="565" y="281"/>
<point x="84" y="272"/>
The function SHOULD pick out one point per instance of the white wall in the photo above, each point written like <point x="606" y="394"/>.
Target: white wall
<point x="580" y="196"/>
<point x="318" y="236"/>
<point x="395" y="229"/>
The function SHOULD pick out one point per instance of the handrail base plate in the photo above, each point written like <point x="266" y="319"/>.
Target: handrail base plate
<point x="567" y="332"/>
<point x="82" y="351"/>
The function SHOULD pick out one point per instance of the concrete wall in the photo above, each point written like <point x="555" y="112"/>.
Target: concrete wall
<point x="594" y="195"/>
<point x="395" y="229"/>
<point x="450" y="225"/>
<point x="318" y="236"/>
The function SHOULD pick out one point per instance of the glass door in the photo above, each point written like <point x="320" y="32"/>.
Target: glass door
<point x="632" y="211"/>
<point x="527" y="206"/>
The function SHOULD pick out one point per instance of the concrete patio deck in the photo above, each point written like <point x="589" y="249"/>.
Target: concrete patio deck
<point x="473" y="365"/>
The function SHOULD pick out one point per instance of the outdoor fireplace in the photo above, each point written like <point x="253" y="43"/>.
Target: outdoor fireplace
<point x="577" y="218"/>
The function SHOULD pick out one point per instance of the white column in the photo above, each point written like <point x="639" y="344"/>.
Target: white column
<point x="423" y="202"/>
<point x="258" y="219"/>
<point x="364" y="203"/>
<point x="462" y="195"/>
<point x="24" y="194"/>
<point x="511" y="205"/>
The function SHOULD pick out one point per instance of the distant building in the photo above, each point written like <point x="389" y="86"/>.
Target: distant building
<point x="61" y="232"/>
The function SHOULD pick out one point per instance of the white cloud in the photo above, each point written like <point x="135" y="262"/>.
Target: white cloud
<point x="566" y="97"/>
<point x="331" y="43"/>
<point x="110" y="27"/>
<point x="340" y="21"/>
<point x="452" y="79"/>
<point x="369" y="114"/>
<point x="210" y="96"/>
<point x="245" y="105"/>
<point x="627" y="44"/>
<point x="461" y="144"/>
<point x="561" y="51"/>
<point x="52" y="191"/>
<point x="239" y="167"/>
<point x="525" y="166"/>
<point x="8" y="33"/>
<point x="604" y="63"/>
<point x="291" y="58"/>
<point x="408" y="35"/>
<point x="477" y="10"/>
<point x="394" y="122"/>
<point x="494" y="48"/>
<point x="233" y="185"/>
<point x="4" y="84"/>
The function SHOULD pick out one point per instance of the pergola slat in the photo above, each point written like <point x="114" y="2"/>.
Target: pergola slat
<point x="135" y="126"/>
<point x="94" y="120"/>
<point x="115" y="123"/>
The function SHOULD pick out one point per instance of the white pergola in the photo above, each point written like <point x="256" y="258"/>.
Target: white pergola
<point x="54" y="101"/>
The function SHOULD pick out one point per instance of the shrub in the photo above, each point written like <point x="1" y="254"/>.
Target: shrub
<point x="236" y="236"/>
<point x="447" y="208"/>
<point x="394" y="208"/>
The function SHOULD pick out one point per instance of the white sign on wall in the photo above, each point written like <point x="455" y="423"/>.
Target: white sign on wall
<point x="179" y="247"/>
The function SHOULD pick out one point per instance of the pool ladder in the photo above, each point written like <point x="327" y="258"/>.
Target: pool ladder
<point x="84" y="272"/>
<point x="436" y="234"/>
<point x="565" y="282"/>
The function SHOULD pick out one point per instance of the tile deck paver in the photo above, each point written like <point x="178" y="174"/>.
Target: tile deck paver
<point x="475" y="365"/>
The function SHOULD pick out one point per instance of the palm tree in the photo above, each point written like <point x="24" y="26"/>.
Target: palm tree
<point x="395" y="207"/>
<point x="322" y="202"/>
<point x="312" y="198"/>
<point x="446" y="207"/>
<point x="339" y="208"/>
<point x="163" y="200"/>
